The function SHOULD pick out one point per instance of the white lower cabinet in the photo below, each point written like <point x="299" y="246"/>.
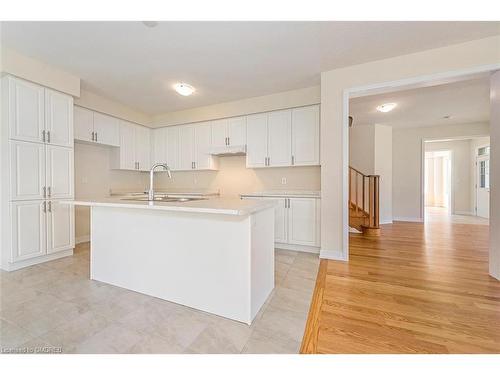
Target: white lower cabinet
<point x="41" y="227"/>
<point x="296" y="222"/>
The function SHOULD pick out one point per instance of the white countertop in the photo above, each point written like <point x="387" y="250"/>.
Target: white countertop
<point x="221" y="206"/>
<point x="170" y="191"/>
<point x="285" y="194"/>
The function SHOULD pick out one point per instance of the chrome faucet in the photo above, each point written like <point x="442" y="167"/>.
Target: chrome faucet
<point x="151" y="192"/>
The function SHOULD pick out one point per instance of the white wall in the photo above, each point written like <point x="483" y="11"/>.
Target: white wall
<point x="382" y="73"/>
<point x="495" y="176"/>
<point x="407" y="164"/>
<point x="362" y="148"/>
<point x="281" y="100"/>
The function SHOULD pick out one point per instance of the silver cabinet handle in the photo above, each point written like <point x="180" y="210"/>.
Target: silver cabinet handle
<point x="48" y="136"/>
<point x="44" y="206"/>
<point x="50" y="206"/>
<point x="43" y="136"/>
<point x="92" y="136"/>
<point x="285" y="203"/>
<point x="228" y="141"/>
<point x="44" y="192"/>
<point x="49" y="191"/>
<point x="138" y="163"/>
<point x="96" y="136"/>
<point x="293" y="160"/>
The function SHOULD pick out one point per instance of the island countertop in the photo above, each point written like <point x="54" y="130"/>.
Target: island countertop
<point x="221" y="206"/>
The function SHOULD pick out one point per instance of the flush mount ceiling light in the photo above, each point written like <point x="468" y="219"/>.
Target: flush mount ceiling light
<point x="150" y="23"/>
<point x="184" y="89"/>
<point x="387" y="107"/>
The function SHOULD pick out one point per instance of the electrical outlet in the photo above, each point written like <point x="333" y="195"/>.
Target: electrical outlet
<point x="283" y="180"/>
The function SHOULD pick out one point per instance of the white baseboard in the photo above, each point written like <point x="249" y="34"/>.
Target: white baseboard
<point x="332" y="255"/>
<point x="302" y="248"/>
<point x="414" y="219"/>
<point x="467" y="213"/>
<point x="386" y="222"/>
<point x="37" y="260"/>
<point x="82" y="239"/>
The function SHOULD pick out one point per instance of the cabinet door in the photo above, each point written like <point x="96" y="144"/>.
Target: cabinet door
<point x="172" y="142"/>
<point x="60" y="227"/>
<point x="280" y="221"/>
<point x="302" y="221"/>
<point x="186" y="147"/>
<point x="107" y="129"/>
<point x="280" y="138"/>
<point x="142" y="148"/>
<point x="59" y="118"/>
<point x="219" y="133"/>
<point x="159" y="147"/>
<point x="27" y="170"/>
<point x="203" y="142"/>
<point x="26" y="110"/>
<point x="127" y="146"/>
<point x="28" y="229"/>
<point x="83" y="124"/>
<point x="305" y="135"/>
<point x="237" y="131"/>
<point x="60" y="176"/>
<point x="256" y="140"/>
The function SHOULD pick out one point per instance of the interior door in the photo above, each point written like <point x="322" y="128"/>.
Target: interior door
<point x="237" y="131"/>
<point x="59" y="118"/>
<point x="127" y="146"/>
<point x="26" y="110"/>
<point x="107" y="129"/>
<point x="203" y="142"/>
<point x="28" y="229"/>
<point x="483" y="186"/>
<point x="172" y="144"/>
<point x="60" y="226"/>
<point x="186" y="147"/>
<point x="305" y="135"/>
<point x="219" y="133"/>
<point x="302" y="223"/>
<point x="280" y="138"/>
<point x="27" y="170"/>
<point x="83" y="123"/>
<point x="256" y="140"/>
<point x="60" y="177"/>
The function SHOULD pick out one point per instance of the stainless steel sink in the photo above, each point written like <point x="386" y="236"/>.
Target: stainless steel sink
<point x="164" y="199"/>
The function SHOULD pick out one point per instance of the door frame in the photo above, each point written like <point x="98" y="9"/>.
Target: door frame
<point x="451" y="196"/>
<point x="381" y="88"/>
<point x="476" y="177"/>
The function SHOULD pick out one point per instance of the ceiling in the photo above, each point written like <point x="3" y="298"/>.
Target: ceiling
<point x="464" y="101"/>
<point x="137" y="65"/>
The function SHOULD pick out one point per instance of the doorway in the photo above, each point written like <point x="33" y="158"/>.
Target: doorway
<point x="437" y="182"/>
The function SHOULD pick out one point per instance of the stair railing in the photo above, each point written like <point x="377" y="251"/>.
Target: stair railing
<point x="364" y="193"/>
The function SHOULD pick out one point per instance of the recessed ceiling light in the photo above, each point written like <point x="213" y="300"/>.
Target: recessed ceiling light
<point x="184" y="89"/>
<point x="447" y="117"/>
<point x="387" y="107"/>
<point x="150" y="23"/>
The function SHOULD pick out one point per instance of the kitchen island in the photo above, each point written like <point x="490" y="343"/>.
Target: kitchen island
<point x="215" y="255"/>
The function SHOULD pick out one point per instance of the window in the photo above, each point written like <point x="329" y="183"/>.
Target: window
<point x="484" y="174"/>
<point x="483" y="151"/>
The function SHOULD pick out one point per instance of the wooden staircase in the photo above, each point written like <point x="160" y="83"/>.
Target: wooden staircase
<point x="364" y="202"/>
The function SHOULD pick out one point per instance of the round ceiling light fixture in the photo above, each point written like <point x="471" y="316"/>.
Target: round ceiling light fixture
<point x="386" y="107"/>
<point x="184" y="89"/>
<point x="150" y="23"/>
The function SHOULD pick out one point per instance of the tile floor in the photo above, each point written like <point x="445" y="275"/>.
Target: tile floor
<point x="56" y="307"/>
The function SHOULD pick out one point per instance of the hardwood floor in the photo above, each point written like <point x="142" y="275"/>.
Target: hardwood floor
<point x="414" y="289"/>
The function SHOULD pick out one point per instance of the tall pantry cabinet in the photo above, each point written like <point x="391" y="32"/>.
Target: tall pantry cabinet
<point x="37" y="160"/>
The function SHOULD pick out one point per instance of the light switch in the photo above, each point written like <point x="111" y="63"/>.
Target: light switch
<point x="283" y="180"/>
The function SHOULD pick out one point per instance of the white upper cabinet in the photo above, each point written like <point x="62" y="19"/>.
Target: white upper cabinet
<point x="305" y="135"/>
<point x="26" y="110"/>
<point x="172" y="146"/>
<point x="237" y="131"/>
<point x="59" y="118"/>
<point x="126" y="152"/>
<point x="203" y="142"/>
<point x="158" y="146"/>
<point x="83" y="124"/>
<point x="220" y="133"/>
<point x="60" y="226"/>
<point x="279" y="138"/>
<point x="142" y="148"/>
<point x="27" y="170"/>
<point x="106" y="129"/>
<point x="29" y="236"/>
<point x="59" y="172"/>
<point x="186" y="147"/>
<point x="257" y="140"/>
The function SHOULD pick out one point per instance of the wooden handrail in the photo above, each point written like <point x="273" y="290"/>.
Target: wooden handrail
<point x="366" y="208"/>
